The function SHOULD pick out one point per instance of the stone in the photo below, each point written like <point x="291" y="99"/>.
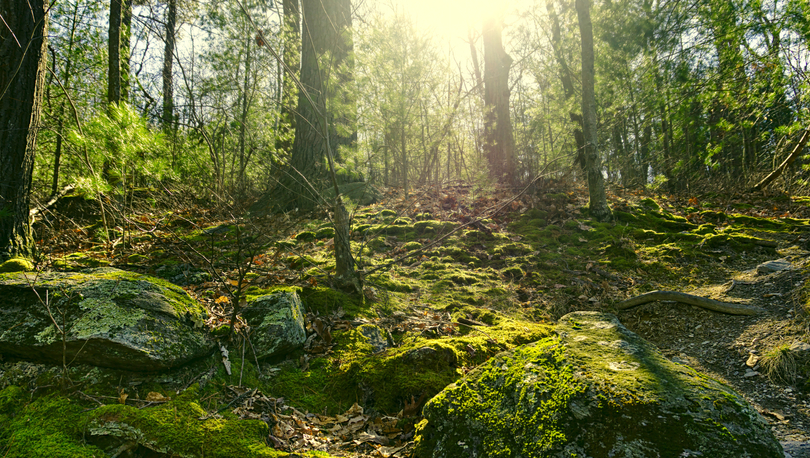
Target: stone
<point x="800" y="347"/>
<point x="375" y="336"/>
<point x="111" y="318"/>
<point x="277" y="323"/>
<point x="594" y="390"/>
<point x="776" y="265"/>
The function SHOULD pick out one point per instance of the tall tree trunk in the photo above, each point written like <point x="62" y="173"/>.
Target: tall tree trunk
<point x="67" y="75"/>
<point x="326" y="30"/>
<point x="565" y="79"/>
<point x="168" y="60"/>
<point x="499" y="141"/>
<point x="114" y="53"/>
<point x="126" y="36"/>
<point x="292" y="59"/>
<point x="241" y="184"/>
<point x="593" y="168"/>
<point x="22" y="80"/>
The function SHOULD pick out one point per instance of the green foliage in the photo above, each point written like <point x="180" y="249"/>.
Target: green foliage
<point x="122" y="151"/>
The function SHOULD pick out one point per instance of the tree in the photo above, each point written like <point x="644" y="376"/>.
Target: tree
<point x="592" y="164"/>
<point x="499" y="142"/>
<point x="114" y="53"/>
<point x="23" y="55"/>
<point x="168" y="59"/>
<point x="325" y="68"/>
<point x="292" y="59"/>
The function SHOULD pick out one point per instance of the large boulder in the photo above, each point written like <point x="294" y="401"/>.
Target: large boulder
<point x="597" y="390"/>
<point x="277" y="323"/>
<point x="105" y="317"/>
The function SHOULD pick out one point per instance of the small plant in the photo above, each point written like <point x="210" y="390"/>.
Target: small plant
<point x="779" y="364"/>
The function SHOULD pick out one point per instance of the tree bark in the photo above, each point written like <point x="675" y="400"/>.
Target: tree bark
<point x="114" y="53"/>
<point x="565" y="79"/>
<point x="325" y="50"/>
<point x="168" y="60"/>
<point x="23" y="58"/>
<point x="126" y="36"/>
<point x="499" y="142"/>
<point x="292" y="58"/>
<point x="593" y="168"/>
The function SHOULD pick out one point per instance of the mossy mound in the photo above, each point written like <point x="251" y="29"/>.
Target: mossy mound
<point x="55" y="425"/>
<point x="16" y="265"/>
<point x="597" y="390"/>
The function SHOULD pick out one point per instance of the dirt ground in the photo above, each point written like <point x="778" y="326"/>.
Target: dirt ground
<point x="721" y="345"/>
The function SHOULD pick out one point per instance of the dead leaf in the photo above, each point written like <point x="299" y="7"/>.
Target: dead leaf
<point x="154" y="396"/>
<point x="122" y="396"/>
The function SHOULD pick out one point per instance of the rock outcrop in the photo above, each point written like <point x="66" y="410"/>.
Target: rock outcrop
<point x="597" y="390"/>
<point x="277" y="323"/>
<point x="104" y="317"/>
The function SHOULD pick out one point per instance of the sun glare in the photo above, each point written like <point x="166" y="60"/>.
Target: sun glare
<point x="451" y="18"/>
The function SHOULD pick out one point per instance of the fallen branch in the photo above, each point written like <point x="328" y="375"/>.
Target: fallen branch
<point x="797" y="150"/>
<point x="709" y="304"/>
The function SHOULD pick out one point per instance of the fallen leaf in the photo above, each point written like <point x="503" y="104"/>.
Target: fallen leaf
<point x="154" y="396"/>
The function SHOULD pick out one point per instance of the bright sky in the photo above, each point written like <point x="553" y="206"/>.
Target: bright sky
<point x="452" y="18"/>
<point x="449" y="21"/>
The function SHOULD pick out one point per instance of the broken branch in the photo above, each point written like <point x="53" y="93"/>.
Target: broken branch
<point x="709" y="304"/>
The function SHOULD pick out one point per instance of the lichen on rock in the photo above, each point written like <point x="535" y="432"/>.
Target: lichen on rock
<point x="277" y="323"/>
<point x="106" y="317"/>
<point x="596" y="390"/>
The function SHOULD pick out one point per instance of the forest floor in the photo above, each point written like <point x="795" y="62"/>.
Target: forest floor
<point x="481" y="271"/>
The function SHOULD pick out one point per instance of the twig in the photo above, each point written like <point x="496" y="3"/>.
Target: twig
<point x="709" y="304"/>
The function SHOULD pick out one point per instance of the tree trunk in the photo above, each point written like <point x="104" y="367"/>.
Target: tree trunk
<point x="242" y="185"/>
<point x="126" y="35"/>
<point x="326" y="30"/>
<point x="22" y="80"/>
<point x="292" y="58"/>
<point x="114" y="53"/>
<point x="168" y="60"/>
<point x="565" y="79"/>
<point x="592" y="165"/>
<point x="499" y="142"/>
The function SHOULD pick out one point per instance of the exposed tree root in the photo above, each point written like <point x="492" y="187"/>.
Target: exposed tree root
<point x="709" y="304"/>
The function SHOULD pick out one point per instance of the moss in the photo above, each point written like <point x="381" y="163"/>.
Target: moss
<point x="513" y="272"/>
<point x="322" y="300"/>
<point x="175" y="428"/>
<point x="325" y="233"/>
<point x="478" y="403"/>
<point x="388" y="213"/>
<point x="16" y="265"/>
<point x="410" y="246"/>
<point x="48" y="426"/>
<point x="305" y="236"/>
<point x="762" y="223"/>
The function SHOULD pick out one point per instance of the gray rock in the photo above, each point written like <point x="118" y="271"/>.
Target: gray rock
<point x="277" y="324"/>
<point x="374" y="335"/>
<point x="794" y="449"/>
<point x="776" y="265"/>
<point x="800" y="347"/>
<point x="596" y="390"/>
<point x="111" y="318"/>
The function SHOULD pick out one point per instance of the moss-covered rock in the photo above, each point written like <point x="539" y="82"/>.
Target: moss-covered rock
<point x="277" y="323"/>
<point x="106" y="317"/>
<point x="597" y="390"/>
<point x="57" y="426"/>
<point x="16" y="265"/>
